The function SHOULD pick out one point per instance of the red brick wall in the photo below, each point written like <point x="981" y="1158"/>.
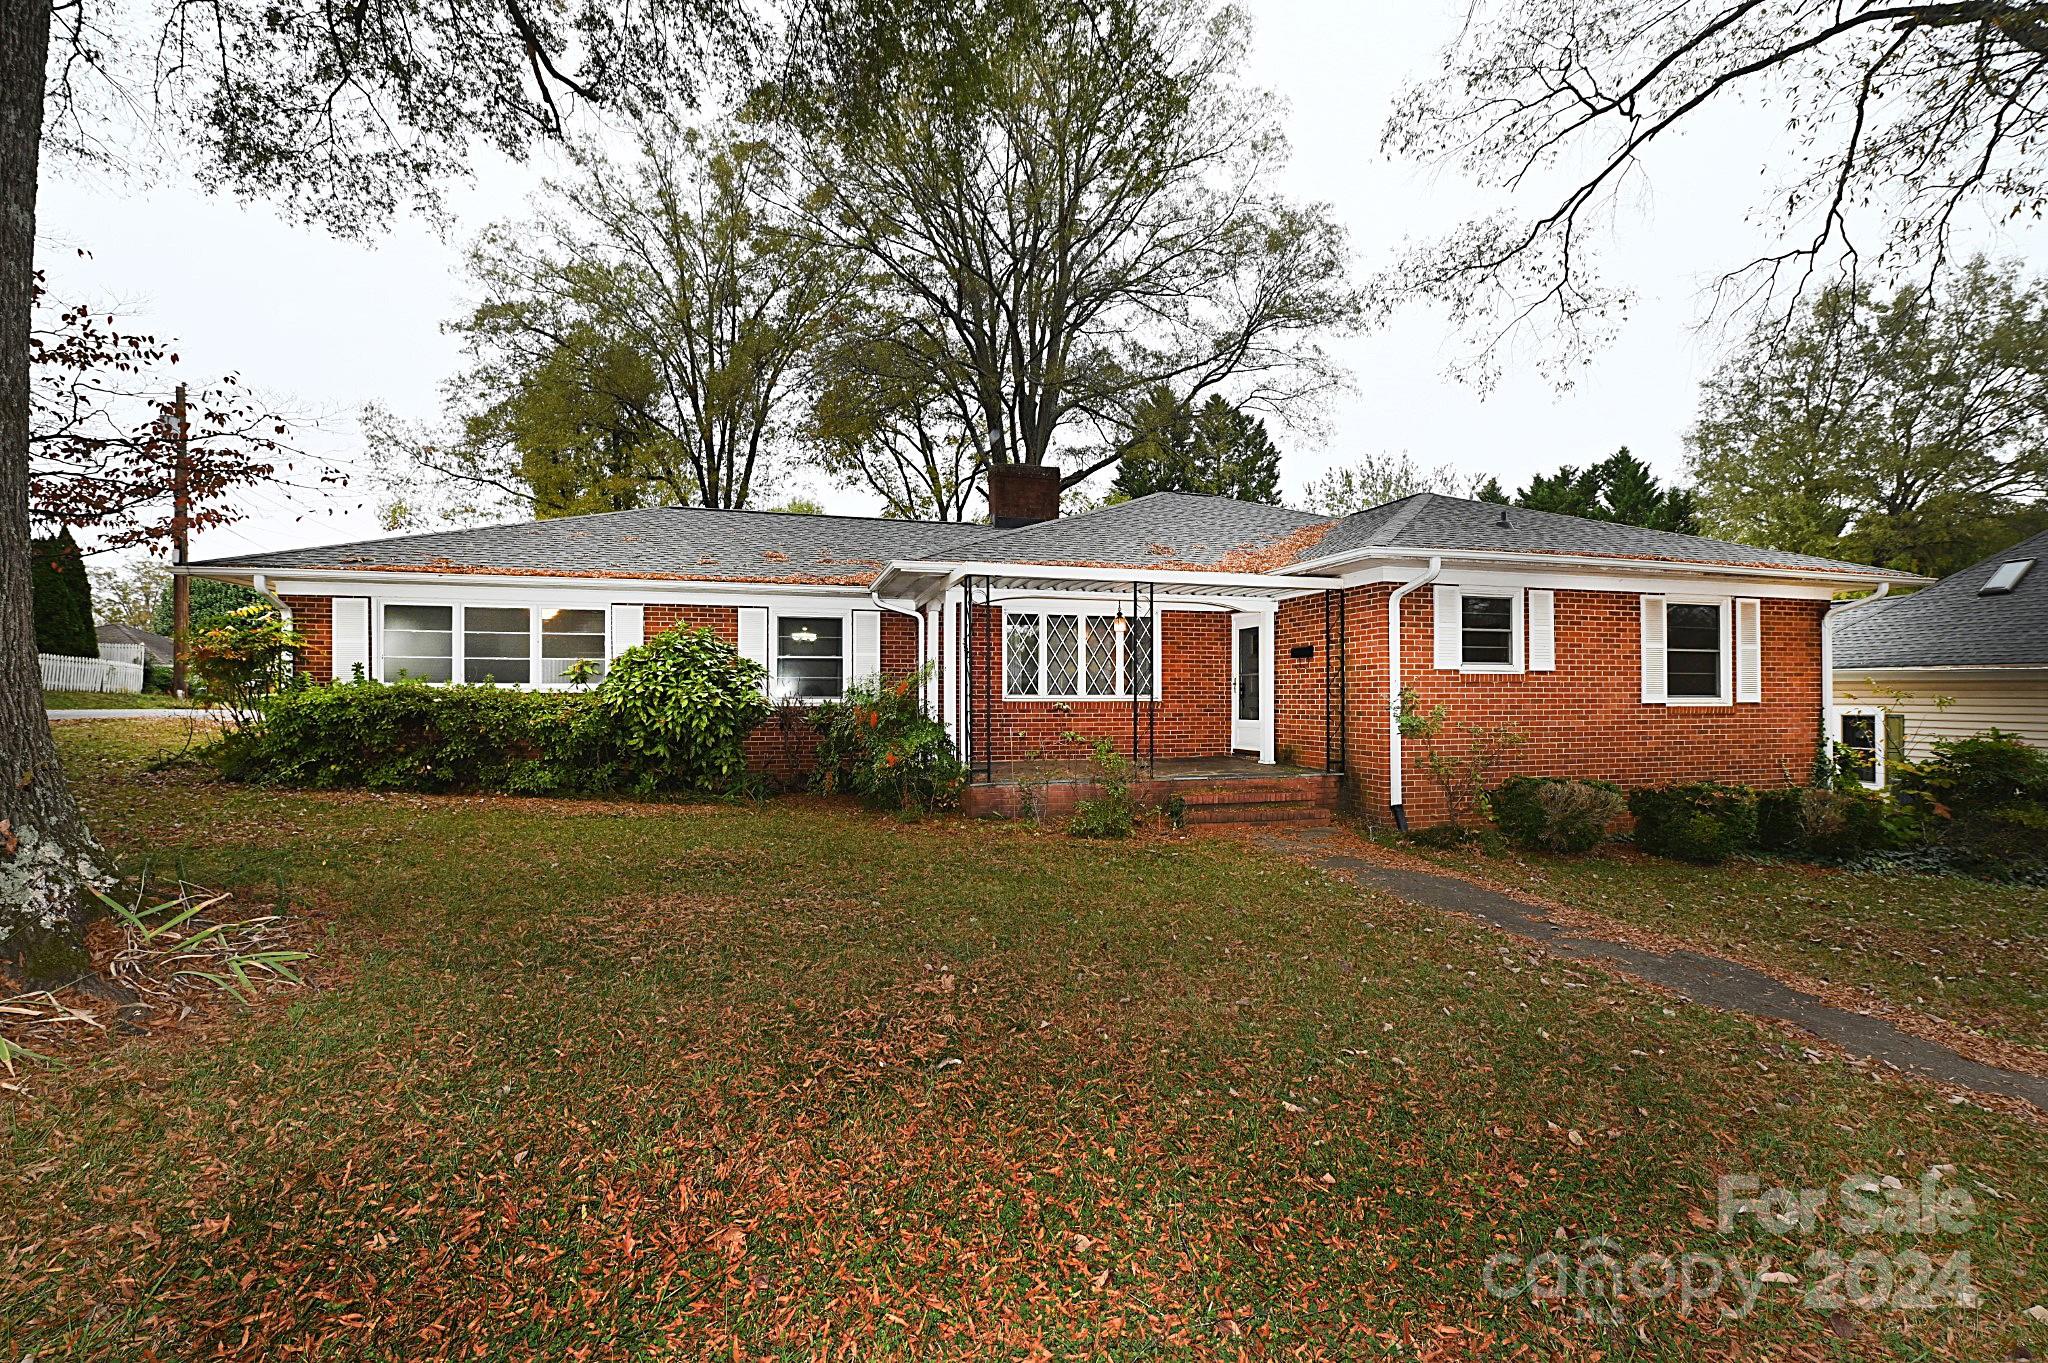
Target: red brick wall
<point x="1587" y="718"/>
<point x="313" y="622"/>
<point x="1300" y="722"/>
<point x="724" y="621"/>
<point x="1192" y="713"/>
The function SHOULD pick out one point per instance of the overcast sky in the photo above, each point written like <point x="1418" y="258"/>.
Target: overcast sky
<point x="328" y="325"/>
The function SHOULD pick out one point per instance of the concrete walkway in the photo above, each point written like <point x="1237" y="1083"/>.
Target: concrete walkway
<point x="1711" y="980"/>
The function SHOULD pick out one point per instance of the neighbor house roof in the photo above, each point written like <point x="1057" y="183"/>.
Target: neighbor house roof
<point x="1429" y="520"/>
<point x="156" y="647"/>
<point x="665" y="542"/>
<point x="1951" y="625"/>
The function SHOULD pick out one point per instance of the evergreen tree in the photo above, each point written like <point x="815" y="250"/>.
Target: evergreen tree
<point x="63" y="598"/>
<point x="1491" y="491"/>
<point x="210" y="600"/>
<point x="1217" y="450"/>
<point x="1619" y="488"/>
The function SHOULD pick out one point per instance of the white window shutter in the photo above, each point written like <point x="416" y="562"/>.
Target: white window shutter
<point x="1749" y="650"/>
<point x="1654" y="683"/>
<point x="754" y="634"/>
<point x="1450" y="629"/>
<point x="351" y="636"/>
<point x="867" y="646"/>
<point x="629" y="628"/>
<point x="1542" y="630"/>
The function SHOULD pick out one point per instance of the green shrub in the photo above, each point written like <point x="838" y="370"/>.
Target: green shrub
<point x="1556" y="814"/>
<point x="1780" y="827"/>
<point x="1832" y="825"/>
<point x="670" y="715"/>
<point x="679" y="708"/>
<point x="1984" y="801"/>
<point x="243" y="656"/>
<point x="412" y="736"/>
<point x="1111" y="812"/>
<point x="1700" y="822"/>
<point x="61" y="598"/>
<point x="879" y="744"/>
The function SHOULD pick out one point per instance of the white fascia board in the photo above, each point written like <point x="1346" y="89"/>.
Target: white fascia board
<point x="1473" y="573"/>
<point x="483" y="588"/>
<point x="1399" y="561"/>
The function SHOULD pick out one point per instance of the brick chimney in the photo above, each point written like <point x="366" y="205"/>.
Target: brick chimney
<point x="1023" y="494"/>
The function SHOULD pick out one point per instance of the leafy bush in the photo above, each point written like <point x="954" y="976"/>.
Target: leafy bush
<point x="1460" y="768"/>
<point x="1779" y="824"/>
<point x="1112" y="812"/>
<point x="880" y="745"/>
<point x="670" y="715"/>
<point x="412" y="736"/>
<point x="1557" y="814"/>
<point x="1983" y="799"/>
<point x="1700" y="822"/>
<point x="243" y="656"/>
<point x="679" y="708"/>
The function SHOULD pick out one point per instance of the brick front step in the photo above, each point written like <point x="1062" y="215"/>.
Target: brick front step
<point x="1306" y="798"/>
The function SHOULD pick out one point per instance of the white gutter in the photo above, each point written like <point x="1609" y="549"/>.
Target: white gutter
<point x="955" y="572"/>
<point x="1829" y="721"/>
<point x="1395" y="790"/>
<point x="874" y="595"/>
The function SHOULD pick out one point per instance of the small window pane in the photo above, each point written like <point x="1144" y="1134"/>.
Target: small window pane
<point x="1020" y="675"/>
<point x="497" y="644"/>
<point x="1101" y="655"/>
<point x="569" y="637"/>
<point x="1138" y="656"/>
<point x="1488" y="623"/>
<point x="1859" y="743"/>
<point x="1062" y="655"/>
<point x="810" y="654"/>
<point x="1693" y="650"/>
<point x="419" y="643"/>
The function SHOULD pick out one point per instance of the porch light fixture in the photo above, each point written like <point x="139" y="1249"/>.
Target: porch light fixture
<point x="804" y="636"/>
<point x="1122" y="624"/>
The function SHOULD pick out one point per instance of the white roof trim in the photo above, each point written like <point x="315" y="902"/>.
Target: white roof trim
<point x="1685" y="567"/>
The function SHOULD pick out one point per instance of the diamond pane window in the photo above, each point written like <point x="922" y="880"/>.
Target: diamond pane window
<point x="1062" y="655"/>
<point x="1101" y="655"/>
<point x="1138" y="656"/>
<point x="1020" y="654"/>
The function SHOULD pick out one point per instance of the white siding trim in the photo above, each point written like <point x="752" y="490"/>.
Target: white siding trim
<point x="753" y="623"/>
<point x="629" y="628"/>
<point x="865" y="648"/>
<point x="1450" y="638"/>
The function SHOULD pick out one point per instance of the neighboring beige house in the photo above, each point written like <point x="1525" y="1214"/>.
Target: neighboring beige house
<point x="1967" y="654"/>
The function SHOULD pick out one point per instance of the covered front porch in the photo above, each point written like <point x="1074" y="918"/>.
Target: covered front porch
<point x="1225" y="789"/>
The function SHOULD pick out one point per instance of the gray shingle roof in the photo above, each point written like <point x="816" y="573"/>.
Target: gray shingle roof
<point x="685" y="543"/>
<point x="1428" y="520"/>
<point x="1949" y="625"/>
<point x="1158" y="530"/>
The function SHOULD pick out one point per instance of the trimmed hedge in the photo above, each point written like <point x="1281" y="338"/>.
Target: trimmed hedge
<point x="1832" y="825"/>
<point x="1984" y="802"/>
<point x="1701" y="822"/>
<point x="671" y="715"/>
<point x="1556" y="814"/>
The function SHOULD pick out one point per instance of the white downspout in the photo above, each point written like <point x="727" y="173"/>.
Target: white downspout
<point x="1829" y="712"/>
<point x="875" y="596"/>
<point x="1395" y="791"/>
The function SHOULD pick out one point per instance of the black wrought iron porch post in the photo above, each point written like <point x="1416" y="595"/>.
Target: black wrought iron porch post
<point x="1155" y="665"/>
<point x="988" y="723"/>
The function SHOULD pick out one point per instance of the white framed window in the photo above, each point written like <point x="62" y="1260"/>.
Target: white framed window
<point x="497" y="645"/>
<point x="1695" y="650"/>
<point x="1480" y="629"/>
<point x="1860" y="730"/>
<point x="810" y="657"/>
<point x="1066" y="653"/>
<point x="418" y="642"/>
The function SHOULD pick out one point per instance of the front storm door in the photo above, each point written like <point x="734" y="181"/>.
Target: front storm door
<point x="1250" y="689"/>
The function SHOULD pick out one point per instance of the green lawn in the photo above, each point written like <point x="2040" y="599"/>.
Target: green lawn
<point x="1962" y="950"/>
<point x="650" y="1082"/>
<point x="115" y="700"/>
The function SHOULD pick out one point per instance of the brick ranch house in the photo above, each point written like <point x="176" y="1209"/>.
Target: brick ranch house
<point x="1210" y="639"/>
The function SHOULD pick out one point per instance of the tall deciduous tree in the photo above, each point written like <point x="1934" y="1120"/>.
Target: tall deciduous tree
<point x="1901" y="119"/>
<point x="1217" y="450"/>
<point x="882" y="424"/>
<point x="1379" y="478"/>
<point x="1065" y="204"/>
<point x="1909" y="431"/>
<point x="644" y="339"/>
<point x="341" y="113"/>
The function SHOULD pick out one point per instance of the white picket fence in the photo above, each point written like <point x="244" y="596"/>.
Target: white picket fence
<point x="119" y="668"/>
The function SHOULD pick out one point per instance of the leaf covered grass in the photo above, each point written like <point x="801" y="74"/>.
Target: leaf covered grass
<point x="1965" y="951"/>
<point x="645" y="1081"/>
<point x="117" y="700"/>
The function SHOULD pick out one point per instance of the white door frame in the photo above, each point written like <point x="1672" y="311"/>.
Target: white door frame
<point x="1255" y="734"/>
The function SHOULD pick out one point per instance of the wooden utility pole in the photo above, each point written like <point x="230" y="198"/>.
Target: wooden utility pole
<point x="181" y="511"/>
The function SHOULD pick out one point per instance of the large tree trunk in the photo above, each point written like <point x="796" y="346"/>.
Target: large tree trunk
<point x="47" y="856"/>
